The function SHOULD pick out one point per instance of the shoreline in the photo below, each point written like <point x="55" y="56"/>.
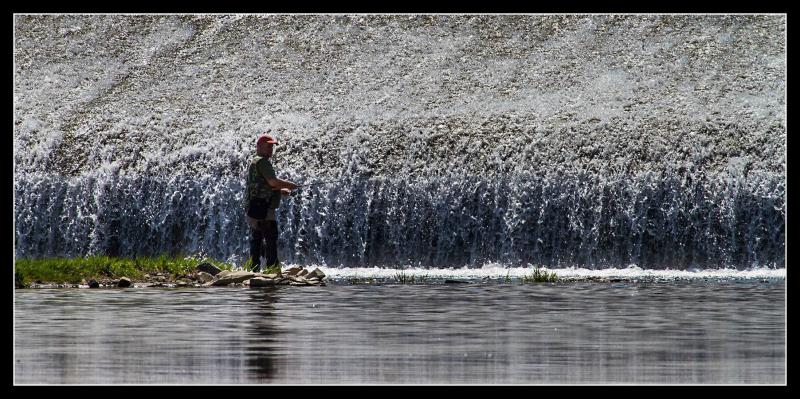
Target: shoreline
<point x="190" y="272"/>
<point x="183" y="283"/>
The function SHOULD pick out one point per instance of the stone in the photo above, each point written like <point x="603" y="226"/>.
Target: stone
<point x="208" y="268"/>
<point x="261" y="282"/>
<point x="293" y="271"/>
<point x="317" y="273"/>
<point x="233" y="278"/>
<point x="302" y="272"/>
<point x="204" y="277"/>
<point x="272" y="276"/>
<point x="222" y="273"/>
<point x="94" y="284"/>
<point x="124" y="282"/>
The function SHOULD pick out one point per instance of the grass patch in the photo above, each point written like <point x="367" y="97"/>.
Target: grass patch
<point x="539" y="276"/>
<point x="274" y="269"/>
<point x="73" y="270"/>
<point x="404" y="278"/>
<point x="270" y="269"/>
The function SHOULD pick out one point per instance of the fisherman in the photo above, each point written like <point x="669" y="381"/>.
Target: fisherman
<point x="262" y="197"/>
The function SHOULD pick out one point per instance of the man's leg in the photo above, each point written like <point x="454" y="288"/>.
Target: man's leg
<point x="256" y="236"/>
<point x="270" y="228"/>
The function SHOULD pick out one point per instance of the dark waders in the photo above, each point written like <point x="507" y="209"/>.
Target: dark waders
<point x="263" y="242"/>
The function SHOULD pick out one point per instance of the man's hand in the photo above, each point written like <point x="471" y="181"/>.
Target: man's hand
<point x="286" y="192"/>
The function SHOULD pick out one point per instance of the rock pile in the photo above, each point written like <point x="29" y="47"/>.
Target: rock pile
<point x="205" y="275"/>
<point x="296" y="276"/>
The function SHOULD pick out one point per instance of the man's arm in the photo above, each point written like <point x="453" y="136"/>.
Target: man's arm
<point x="277" y="183"/>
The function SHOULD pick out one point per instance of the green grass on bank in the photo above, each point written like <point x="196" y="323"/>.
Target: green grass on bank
<point x="404" y="278"/>
<point x="73" y="270"/>
<point x="540" y="276"/>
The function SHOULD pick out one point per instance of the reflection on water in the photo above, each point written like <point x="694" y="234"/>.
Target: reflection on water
<point x="679" y="332"/>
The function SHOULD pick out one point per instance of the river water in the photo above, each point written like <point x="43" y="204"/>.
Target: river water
<point x="723" y="331"/>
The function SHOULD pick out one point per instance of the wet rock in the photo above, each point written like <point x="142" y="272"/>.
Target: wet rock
<point x="261" y="282"/>
<point x="233" y="278"/>
<point x="204" y="277"/>
<point x="293" y="271"/>
<point x="316" y="273"/>
<point x="124" y="282"/>
<point x="302" y="272"/>
<point x="94" y="284"/>
<point x="208" y="268"/>
<point x="182" y="283"/>
<point x="222" y="273"/>
<point x="455" y="282"/>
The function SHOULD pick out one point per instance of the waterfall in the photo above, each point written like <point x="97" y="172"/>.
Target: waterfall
<point x="593" y="141"/>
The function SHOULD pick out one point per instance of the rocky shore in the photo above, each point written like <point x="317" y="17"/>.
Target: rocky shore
<point x="204" y="275"/>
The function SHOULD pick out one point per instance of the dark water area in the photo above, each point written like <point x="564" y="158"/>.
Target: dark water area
<point x="681" y="332"/>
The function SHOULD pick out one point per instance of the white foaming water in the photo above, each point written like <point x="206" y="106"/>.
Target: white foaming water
<point x="494" y="271"/>
<point x="596" y="141"/>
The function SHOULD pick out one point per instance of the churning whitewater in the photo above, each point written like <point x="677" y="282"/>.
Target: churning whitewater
<point x="585" y="142"/>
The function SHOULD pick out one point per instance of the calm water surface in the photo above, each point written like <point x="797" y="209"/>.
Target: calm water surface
<point x="727" y="332"/>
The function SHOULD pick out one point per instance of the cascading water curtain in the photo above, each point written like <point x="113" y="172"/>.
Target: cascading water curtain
<point x="654" y="220"/>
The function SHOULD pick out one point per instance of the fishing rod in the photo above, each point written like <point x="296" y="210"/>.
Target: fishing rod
<point x="314" y="184"/>
<point x="323" y="182"/>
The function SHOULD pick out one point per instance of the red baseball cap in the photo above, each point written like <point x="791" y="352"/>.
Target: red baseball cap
<point x="268" y="138"/>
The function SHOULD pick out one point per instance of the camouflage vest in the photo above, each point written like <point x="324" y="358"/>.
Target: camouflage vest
<point x="257" y="186"/>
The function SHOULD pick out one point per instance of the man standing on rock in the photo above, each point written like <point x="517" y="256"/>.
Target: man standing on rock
<point x="262" y="197"/>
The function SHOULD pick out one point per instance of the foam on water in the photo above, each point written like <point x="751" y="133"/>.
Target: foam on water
<point x="499" y="272"/>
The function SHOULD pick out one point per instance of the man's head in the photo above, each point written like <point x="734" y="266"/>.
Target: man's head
<point x="265" y="145"/>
